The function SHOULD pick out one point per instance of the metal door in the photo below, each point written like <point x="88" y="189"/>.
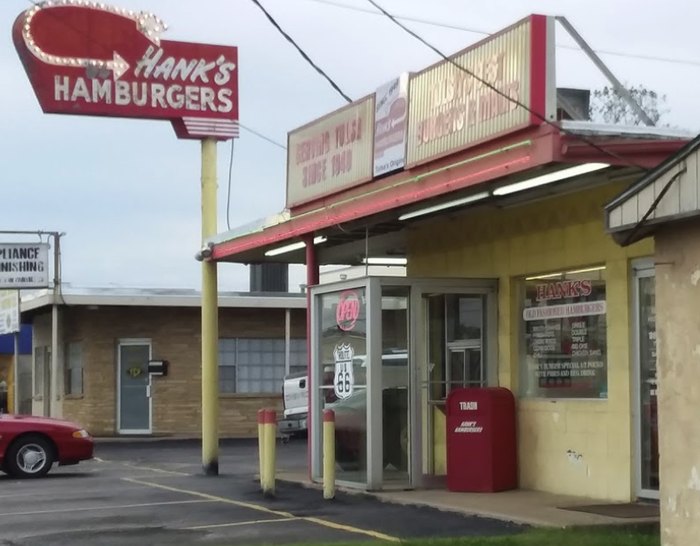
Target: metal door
<point x="134" y="385"/>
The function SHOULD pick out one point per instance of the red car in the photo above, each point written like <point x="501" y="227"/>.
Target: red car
<point x="29" y="446"/>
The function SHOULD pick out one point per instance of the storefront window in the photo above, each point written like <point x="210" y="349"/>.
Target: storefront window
<point x="395" y="381"/>
<point x="647" y="387"/>
<point x="563" y="343"/>
<point x="343" y="361"/>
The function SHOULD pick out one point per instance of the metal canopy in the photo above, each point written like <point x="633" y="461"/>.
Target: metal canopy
<point x="365" y="222"/>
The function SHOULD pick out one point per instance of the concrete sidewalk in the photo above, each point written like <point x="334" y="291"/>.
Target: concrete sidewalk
<point x="519" y="506"/>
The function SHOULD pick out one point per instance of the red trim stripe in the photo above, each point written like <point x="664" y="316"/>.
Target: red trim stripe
<point x="361" y="208"/>
<point x="538" y="67"/>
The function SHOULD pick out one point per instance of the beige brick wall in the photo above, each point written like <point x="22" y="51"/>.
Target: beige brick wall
<point x="175" y="336"/>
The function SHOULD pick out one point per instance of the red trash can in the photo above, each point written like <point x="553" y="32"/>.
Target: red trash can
<point x="481" y="440"/>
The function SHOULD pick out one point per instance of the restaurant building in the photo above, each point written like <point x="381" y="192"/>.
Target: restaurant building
<point x="481" y="178"/>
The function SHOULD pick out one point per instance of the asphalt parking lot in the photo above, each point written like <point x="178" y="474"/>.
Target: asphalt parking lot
<point x="153" y="493"/>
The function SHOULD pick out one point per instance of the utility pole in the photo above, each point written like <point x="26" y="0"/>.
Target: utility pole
<point x="54" y="394"/>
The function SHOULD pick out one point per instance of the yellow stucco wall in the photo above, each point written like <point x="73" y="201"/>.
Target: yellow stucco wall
<point x="577" y="447"/>
<point x="678" y="343"/>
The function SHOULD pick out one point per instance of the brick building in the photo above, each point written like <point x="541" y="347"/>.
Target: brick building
<point x="105" y="340"/>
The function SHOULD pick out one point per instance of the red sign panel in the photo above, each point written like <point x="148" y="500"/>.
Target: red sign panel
<point x="348" y="310"/>
<point x="105" y="61"/>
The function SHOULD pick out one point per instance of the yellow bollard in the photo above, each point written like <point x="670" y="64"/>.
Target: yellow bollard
<point x="328" y="454"/>
<point x="269" y="452"/>
<point x="261" y="445"/>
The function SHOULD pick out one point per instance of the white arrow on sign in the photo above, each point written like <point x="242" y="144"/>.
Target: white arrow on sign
<point x="146" y="23"/>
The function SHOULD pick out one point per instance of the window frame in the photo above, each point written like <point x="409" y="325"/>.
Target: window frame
<point x="258" y="361"/>
<point x="69" y="368"/>
<point x="528" y="360"/>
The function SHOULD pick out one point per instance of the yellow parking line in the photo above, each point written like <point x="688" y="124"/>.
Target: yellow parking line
<point x="239" y="523"/>
<point x="153" y="469"/>
<point x="260" y="508"/>
<point x="139" y="467"/>
<point x="211" y="497"/>
<point x="350" y="529"/>
<point x="93" y="508"/>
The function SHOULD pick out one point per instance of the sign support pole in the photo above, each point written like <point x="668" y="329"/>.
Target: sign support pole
<point x="51" y="405"/>
<point x="210" y="325"/>
<point x="15" y="372"/>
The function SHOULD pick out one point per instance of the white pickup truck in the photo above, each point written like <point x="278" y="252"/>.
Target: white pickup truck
<point x="295" y="394"/>
<point x="350" y="413"/>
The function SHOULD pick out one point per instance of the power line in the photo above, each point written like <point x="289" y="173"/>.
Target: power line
<point x="402" y="17"/>
<point x="501" y="93"/>
<point x="260" y="135"/>
<point x="439" y="24"/>
<point x="300" y="50"/>
<point x="228" y="193"/>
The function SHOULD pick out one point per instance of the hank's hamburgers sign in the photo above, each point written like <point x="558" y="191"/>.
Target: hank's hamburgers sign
<point x="92" y="59"/>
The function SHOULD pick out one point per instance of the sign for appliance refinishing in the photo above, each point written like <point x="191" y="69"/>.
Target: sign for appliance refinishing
<point x="87" y="58"/>
<point x="24" y="265"/>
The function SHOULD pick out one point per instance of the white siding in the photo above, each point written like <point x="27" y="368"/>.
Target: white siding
<point x="689" y="186"/>
<point x="670" y="203"/>
<point x="681" y="198"/>
<point x="645" y="198"/>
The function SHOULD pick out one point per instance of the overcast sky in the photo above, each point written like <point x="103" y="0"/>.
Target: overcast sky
<point x="126" y="192"/>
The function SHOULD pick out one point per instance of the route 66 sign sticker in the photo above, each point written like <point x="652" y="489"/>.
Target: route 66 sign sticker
<point x="343" y="379"/>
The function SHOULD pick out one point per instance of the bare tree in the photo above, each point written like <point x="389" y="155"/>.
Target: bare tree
<point x="607" y="106"/>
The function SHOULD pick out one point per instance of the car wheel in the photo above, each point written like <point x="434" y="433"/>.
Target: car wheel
<point x="30" y="457"/>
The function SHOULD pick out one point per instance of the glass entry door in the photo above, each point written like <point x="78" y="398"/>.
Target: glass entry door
<point x="647" y="421"/>
<point x="466" y="366"/>
<point x="395" y="385"/>
<point x="458" y="354"/>
<point x="134" y="387"/>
